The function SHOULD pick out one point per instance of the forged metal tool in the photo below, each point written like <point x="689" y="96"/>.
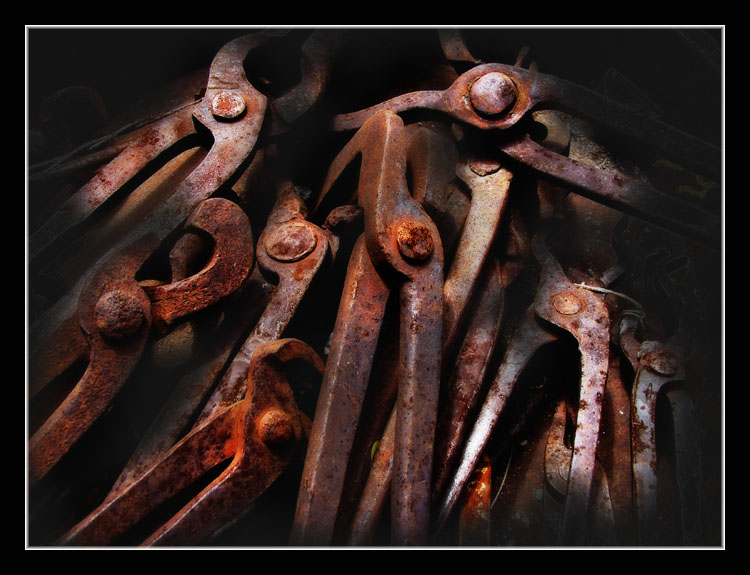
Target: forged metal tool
<point x="258" y="435"/>
<point x="557" y="458"/>
<point x="660" y="365"/>
<point x="489" y="183"/>
<point x="233" y="141"/>
<point x="561" y="303"/>
<point x="656" y="364"/>
<point x="231" y="110"/>
<point x="497" y="96"/>
<point x="116" y="314"/>
<point x="399" y="238"/>
<point x="294" y="250"/>
<point x="462" y="391"/>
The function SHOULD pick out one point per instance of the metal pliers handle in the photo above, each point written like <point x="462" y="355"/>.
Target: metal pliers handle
<point x="401" y="245"/>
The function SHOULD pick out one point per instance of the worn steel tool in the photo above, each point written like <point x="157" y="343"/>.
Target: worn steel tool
<point x="498" y="97"/>
<point x="258" y="434"/>
<point x="294" y="250"/>
<point x="400" y="238"/>
<point x="659" y="364"/>
<point x="561" y="303"/>
<point x="116" y="313"/>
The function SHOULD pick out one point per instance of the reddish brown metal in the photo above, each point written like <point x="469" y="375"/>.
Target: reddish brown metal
<point x="431" y="156"/>
<point x="528" y="338"/>
<point x="457" y="100"/>
<point x="454" y="47"/>
<point x="179" y="410"/>
<point x="259" y="435"/>
<point x="225" y="272"/>
<point x="584" y="315"/>
<point x="531" y="89"/>
<point x="658" y="364"/>
<point x="114" y="314"/>
<point x="430" y="159"/>
<point x="492" y="94"/>
<point x="600" y="518"/>
<point x="475" y="517"/>
<point x="316" y="61"/>
<point x="274" y="304"/>
<point x="614" y="451"/>
<point x="347" y="374"/>
<point x="300" y="248"/>
<point x="68" y="345"/>
<point x="388" y="208"/>
<point x="233" y="143"/>
<point x="377" y="489"/>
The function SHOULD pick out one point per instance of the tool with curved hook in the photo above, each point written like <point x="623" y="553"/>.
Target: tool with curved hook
<point x="258" y="434"/>
<point x="116" y="314"/>
<point x="294" y="250"/>
<point x="399" y="239"/>
<point x="235" y="132"/>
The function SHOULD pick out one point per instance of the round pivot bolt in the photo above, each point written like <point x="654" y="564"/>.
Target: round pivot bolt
<point x="415" y="241"/>
<point x="275" y="426"/>
<point x="484" y="166"/>
<point x="492" y="94"/>
<point x="118" y="315"/>
<point x="227" y="105"/>
<point x="567" y="303"/>
<point x="661" y="362"/>
<point x="290" y="242"/>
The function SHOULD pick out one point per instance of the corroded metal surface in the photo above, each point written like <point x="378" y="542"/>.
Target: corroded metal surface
<point x="379" y="288"/>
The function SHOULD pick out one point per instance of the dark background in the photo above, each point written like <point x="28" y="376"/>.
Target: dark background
<point x="678" y="69"/>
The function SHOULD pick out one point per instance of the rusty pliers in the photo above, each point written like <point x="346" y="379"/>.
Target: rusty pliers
<point x="562" y="303"/>
<point x="114" y="311"/>
<point x="258" y="435"/>
<point x="114" y="320"/>
<point x="233" y="113"/>
<point x="294" y="250"/>
<point x="497" y="97"/>
<point x="399" y="248"/>
<point x="661" y="369"/>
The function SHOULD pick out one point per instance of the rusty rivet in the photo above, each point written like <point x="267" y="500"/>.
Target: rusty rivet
<point x="484" y="166"/>
<point x="492" y="94"/>
<point x="290" y="242"/>
<point x="118" y="314"/>
<point x="661" y="362"/>
<point x="275" y="426"/>
<point x="567" y="303"/>
<point x="414" y="241"/>
<point x="227" y="105"/>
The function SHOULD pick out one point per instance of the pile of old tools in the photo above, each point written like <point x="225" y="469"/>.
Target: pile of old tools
<point x="478" y="312"/>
